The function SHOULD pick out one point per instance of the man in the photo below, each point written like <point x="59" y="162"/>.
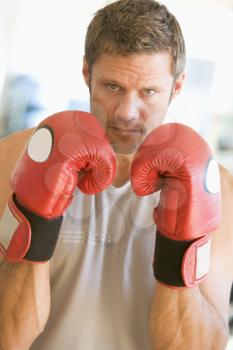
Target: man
<point x="98" y="289"/>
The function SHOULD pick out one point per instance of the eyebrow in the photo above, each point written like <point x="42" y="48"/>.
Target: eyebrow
<point x="114" y="81"/>
<point x="110" y="81"/>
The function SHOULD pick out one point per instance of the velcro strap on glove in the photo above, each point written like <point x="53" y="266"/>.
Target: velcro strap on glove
<point x="44" y="233"/>
<point x="181" y="263"/>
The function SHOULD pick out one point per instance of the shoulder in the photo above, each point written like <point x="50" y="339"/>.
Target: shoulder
<point x="15" y="140"/>
<point x="218" y="284"/>
<point x="226" y="226"/>
<point x="223" y="237"/>
<point x="10" y="149"/>
<point x="226" y="182"/>
<point x="11" y="146"/>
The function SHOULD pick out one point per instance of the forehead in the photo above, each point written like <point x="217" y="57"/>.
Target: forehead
<point x="135" y="67"/>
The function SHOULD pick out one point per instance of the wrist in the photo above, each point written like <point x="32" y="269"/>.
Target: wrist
<point x="35" y="237"/>
<point x="181" y="263"/>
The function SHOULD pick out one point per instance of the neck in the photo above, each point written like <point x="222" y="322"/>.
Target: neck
<point x="123" y="165"/>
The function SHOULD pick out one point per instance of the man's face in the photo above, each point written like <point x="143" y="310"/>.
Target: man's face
<point x="130" y="95"/>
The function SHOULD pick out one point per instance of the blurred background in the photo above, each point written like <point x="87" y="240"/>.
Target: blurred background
<point x="41" y="50"/>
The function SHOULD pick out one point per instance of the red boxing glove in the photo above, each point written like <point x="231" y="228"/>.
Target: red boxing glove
<point x="176" y="160"/>
<point x="46" y="176"/>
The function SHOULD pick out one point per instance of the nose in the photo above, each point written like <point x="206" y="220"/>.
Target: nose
<point x="128" y="108"/>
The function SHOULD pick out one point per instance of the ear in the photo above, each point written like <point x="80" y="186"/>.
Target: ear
<point x="85" y="71"/>
<point x="178" y="85"/>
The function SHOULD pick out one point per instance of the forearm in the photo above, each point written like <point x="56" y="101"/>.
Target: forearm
<point x="25" y="303"/>
<point x="184" y="319"/>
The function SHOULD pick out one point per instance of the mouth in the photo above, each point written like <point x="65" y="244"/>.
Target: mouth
<point x="124" y="140"/>
<point x="124" y="131"/>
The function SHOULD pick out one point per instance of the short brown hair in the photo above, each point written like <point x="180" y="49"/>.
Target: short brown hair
<point x="135" y="26"/>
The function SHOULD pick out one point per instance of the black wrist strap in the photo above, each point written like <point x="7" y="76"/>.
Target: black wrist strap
<point x="44" y="234"/>
<point x="168" y="258"/>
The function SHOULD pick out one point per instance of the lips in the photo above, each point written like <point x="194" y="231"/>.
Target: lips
<point x="124" y="140"/>
<point x="125" y="131"/>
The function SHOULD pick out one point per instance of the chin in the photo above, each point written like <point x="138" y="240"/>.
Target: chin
<point x="124" y="148"/>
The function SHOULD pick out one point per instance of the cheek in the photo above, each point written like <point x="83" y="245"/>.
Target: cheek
<point x="153" y="123"/>
<point x="155" y="114"/>
<point x="101" y="107"/>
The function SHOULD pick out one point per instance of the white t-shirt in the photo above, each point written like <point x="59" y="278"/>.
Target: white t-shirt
<point x="101" y="274"/>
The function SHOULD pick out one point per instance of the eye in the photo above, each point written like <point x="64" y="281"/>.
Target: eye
<point x="149" y="92"/>
<point x="40" y="144"/>
<point x="113" y="87"/>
